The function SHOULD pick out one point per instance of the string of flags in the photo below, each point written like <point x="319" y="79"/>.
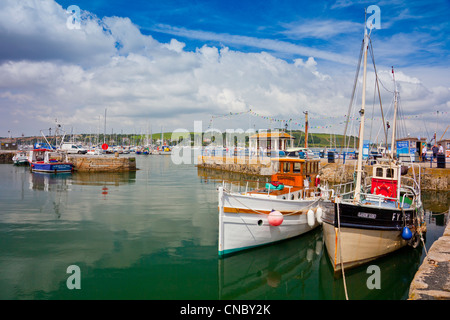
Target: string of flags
<point x="301" y="121"/>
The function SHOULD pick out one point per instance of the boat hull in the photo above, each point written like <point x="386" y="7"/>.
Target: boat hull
<point x="21" y="162"/>
<point x="51" y="167"/>
<point x="364" y="233"/>
<point x="244" y="221"/>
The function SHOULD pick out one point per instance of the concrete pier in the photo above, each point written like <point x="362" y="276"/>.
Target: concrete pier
<point x="432" y="280"/>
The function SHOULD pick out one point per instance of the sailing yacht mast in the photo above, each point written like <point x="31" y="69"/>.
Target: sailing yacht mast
<point x="395" y="117"/>
<point x="356" y="197"/>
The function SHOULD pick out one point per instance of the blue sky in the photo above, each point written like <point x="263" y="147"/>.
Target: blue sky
<point x="170" y="63"/>
<point x="418" y="27"/>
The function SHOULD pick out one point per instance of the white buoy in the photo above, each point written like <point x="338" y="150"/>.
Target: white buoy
<point x="319" y="215"/>
<point x="310" y="216"/>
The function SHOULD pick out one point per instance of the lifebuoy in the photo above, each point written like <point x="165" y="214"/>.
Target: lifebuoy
<point x="384" y="190"/>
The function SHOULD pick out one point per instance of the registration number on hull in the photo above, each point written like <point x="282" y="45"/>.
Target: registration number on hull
<point x="367" y="215"/>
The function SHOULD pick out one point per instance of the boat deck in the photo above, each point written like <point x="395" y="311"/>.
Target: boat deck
<point x="284" y="191"/>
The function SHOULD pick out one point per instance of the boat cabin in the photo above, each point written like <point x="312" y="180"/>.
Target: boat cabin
<point x="45" y="156"/>
<point x="385" y="179"/>
<point x="296" y="172"/>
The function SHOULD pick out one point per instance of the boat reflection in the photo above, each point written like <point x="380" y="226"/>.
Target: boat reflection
<point x="50" y="182"/>
<point x="262" y="272"/>
<point x="396" y="272"/>
<point x="57" y="182"/>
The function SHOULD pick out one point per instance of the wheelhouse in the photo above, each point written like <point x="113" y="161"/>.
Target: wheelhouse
<point x="295" y="172"/>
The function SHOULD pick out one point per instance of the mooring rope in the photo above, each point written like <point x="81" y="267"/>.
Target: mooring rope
<point x="340" y="249"/>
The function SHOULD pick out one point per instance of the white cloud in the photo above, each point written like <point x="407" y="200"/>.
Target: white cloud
<point x="73" y="75"/>
<point x="320" y="29"/>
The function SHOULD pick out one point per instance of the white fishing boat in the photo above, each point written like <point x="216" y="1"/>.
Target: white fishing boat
<point x="384" y="212"/>
<point x="287" y="207"/>
<point x="20" y="158"/>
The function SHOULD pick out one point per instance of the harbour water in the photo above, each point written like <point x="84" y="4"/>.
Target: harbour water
<point x="152" y="234"/>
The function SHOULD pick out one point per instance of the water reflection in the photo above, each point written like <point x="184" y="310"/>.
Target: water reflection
<point x="265" y="272"/>
<point x="152" y="234"/>
<point x="104" y="178"/>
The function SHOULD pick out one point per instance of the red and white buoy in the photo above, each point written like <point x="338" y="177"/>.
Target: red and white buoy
<point x="275" y="218"/>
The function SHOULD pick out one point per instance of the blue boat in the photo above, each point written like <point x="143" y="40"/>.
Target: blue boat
<point x="44" y="160"/>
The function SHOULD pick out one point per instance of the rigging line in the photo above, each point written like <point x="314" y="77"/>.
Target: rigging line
<point x="385" y="87"/>
<point x="371" y="122"/>
<point x="358" y="68"/>
<point x="378" y="87"/>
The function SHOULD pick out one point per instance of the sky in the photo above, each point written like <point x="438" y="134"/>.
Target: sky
<point x="166" y="65"/>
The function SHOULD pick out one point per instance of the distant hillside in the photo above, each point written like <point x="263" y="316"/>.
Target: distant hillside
<point x="315" y="140"/>
<point x="323" y="140"/>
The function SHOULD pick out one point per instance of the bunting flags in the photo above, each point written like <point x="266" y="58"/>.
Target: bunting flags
<point x="300" y="121"/>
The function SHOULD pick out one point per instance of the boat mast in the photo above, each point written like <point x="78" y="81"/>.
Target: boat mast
<point x="306" y="128"/>
<point x="395" y="117"/>
<point x="356" y="197"/>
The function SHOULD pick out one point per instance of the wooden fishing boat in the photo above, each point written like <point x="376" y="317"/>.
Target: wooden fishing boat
<point x="274" y="213"/>
<point x="384" y="217"/>
<point x="384" y="212"/>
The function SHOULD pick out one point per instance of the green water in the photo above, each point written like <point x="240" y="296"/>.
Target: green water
<point x="152" y="234"/>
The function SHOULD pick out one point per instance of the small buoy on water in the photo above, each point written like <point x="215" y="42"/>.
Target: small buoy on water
<point x="275" y="218"/>
<point x="310" y="216"/>
<point x="406" y="233"/>
<point x="319" y="215"/>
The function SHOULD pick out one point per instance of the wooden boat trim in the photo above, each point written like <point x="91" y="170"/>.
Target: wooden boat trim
<point x="242" y="210"/>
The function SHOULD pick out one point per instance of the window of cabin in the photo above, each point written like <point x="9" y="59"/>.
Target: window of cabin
<point x="286" y="167"/>
<point x="379" y="172"/>
<point x="389" y="173"/>
<point x="297" y="167"/>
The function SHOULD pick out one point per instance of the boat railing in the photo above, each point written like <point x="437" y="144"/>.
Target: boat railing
<point x="399" y="202"/>
<point x="304" y="193"/>
<point x="344" y="190"/>
<point x="326" y="193"/>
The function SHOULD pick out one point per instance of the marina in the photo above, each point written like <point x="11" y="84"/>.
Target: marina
<point x="120" y="231"/>
<point x="207" y="153"/>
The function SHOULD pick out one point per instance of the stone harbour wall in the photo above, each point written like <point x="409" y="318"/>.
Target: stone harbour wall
<point x="6" y="156"/>
<point x="256" y="166"/>
<point x="432" y="280"/>
<point x="102" y="163"/>
<point x="431" y="178"/>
